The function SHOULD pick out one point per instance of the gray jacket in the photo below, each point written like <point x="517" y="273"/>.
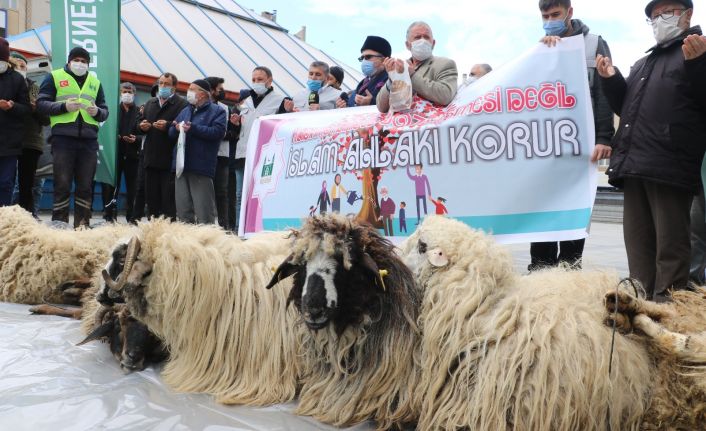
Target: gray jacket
<point x="436" y="80"/>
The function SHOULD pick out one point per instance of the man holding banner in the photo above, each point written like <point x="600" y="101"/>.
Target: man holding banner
<point x="557" y="17"/>
<point x="74" y="100"/>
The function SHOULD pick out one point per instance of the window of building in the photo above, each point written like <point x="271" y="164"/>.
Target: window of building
<point x="8" y="4"/>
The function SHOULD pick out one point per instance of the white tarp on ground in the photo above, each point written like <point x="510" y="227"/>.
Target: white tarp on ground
<point x="47" y="383"/>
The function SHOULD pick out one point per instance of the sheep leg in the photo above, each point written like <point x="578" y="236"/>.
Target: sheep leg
<point x="625" y="303"/>
<point x="52" y="310"/>
<point x="691" y="348"/>
<point x="72" y="290"/>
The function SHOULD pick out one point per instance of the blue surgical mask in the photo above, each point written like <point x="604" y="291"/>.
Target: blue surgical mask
<point x="165" y="92"/>
<point x="367" y="67"/>
<point x="314" y="85"/>
<point x="555" y="27"/>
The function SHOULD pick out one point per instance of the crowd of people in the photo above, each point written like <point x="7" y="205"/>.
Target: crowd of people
<point x="655" y="156"/>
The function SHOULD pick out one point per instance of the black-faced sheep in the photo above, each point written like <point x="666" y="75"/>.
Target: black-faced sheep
<point x="504" y="352"/>
<point x="675" y="335"/>
<point x="34" y="258"/>
<point x="203" y="293"/>
<point x="359" y="303"/>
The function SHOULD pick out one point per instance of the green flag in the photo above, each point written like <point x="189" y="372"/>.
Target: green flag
<point x="95" y="26"/>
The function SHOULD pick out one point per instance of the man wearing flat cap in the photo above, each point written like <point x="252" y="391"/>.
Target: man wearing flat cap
<point x="659" y="145"/>
<point x="73" y="99"/>
<point x="205" y="126"/>
<point x="374" y="51"/>
<point x="14" y="107"/>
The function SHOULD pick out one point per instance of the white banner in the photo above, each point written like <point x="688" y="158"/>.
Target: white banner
<point x="510" y="155"/>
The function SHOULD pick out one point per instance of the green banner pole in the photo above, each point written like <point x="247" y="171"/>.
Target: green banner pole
<point x="95" y="26"/>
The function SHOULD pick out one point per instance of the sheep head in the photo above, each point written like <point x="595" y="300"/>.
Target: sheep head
<point x="114" y="267"/>
<point x="131" y="253"/>
<point x="344" y="272"/>
<point x="441" y="244"/>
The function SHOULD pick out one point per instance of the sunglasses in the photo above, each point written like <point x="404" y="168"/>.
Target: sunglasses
<point x="369" y="57"/>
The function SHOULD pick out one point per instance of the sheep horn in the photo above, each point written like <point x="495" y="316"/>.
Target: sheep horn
<point x="98" y="333"/>
<point x="108" y="280"/>
<point x="133" y="249"/>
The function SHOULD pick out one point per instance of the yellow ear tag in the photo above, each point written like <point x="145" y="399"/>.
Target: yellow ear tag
<point x="383" y="274"/>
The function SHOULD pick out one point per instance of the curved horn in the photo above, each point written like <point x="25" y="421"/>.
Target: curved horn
<point x="133" y="249"/>
<point x="108" y="280"/>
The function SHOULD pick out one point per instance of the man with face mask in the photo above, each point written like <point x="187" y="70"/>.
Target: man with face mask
<point x="220" y="181"/>
<point x="317" y="95"/>
<point x="374" y="51"/>
<point x="14" y="107"/>
<point x="33" y="141"/>
<point x="205" y="126"/>
<point x="558" y="22"/>
<point x="73" y="99"/>
<point x="157" y="115"/>
<point x="128" y="157"/>
<point x="261" y="100"/>
<point x="659" y="146"/>
<point x="433" y="78"/>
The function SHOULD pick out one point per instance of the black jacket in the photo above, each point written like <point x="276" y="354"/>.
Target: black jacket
<point x="662" y="105"/>
<point x="158" y="145"/>
<point x="602" y="112"/>
<point x="127" y="122"/>
<point x="13" y="87"/>
<point x="47" y="105"/>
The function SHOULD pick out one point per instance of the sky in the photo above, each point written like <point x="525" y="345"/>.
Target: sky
<point x="468" y="31"/>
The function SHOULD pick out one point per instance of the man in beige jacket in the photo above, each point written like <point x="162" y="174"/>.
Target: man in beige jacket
<point x="433" y="78"/>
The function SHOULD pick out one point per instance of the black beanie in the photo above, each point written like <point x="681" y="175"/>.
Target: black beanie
<point x="337" y="73"/>
<point x="4" y="49"/>
<point x="377" y="44"/>
<point x="79" y="52"/>
<point x="203" y="84"/>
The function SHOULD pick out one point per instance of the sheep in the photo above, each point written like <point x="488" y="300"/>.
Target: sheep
<point x="359" y="304"/>
<point x="675" y="335"/>
<point x="502" y="351"/>
<point x="34" y="258"/>
<point x="203" y="293"/>
<point x="105" y="317"/>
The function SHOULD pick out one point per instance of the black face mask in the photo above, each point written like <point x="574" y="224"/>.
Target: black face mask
<point x="220" y="95"/>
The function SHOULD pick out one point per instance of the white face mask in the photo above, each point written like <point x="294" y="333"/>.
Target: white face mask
<point x="666" y="29"/>
<point x="471" y="80"/>
<point x="127" y="98"/>
<point x="191" y="97"/>
<point x="421" y="49"/>
<point x="78" y="68"/>
<point x="259" y="88"/>
<point x="3" y="66"/>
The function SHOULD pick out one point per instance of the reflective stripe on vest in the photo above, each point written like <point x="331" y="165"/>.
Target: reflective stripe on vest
<point x="67" y="89"/>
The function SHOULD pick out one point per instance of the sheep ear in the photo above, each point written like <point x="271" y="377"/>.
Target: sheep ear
<point x="437" y="257"/>
<point x="98" y="333"/>
<point x="285" y="270"/>
<point x="370" y="265"/>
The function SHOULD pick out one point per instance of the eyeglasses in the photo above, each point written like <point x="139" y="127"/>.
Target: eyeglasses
<point x="369" y="57"/>
<point x="664" y="15"/>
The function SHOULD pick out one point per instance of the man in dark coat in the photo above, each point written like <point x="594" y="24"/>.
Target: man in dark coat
<point x="659" y="146"/>
<point x="157" y="116"/>
<point x="14" y="107"/>
<point x="374" y="51"/>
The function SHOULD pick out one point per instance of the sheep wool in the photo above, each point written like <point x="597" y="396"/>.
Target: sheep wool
<point x="35" y="258"/>
<point x="505" y="352"/>
<point x="203" y="293"/>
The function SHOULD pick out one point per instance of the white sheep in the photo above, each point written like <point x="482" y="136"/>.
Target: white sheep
<point x="34" y="258"/>
<point x="500" y="351"/>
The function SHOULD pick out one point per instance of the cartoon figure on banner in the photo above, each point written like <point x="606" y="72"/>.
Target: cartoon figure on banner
<point x="336" y="192"/>
<point x="324" y="200"/>
<point x="422" y="188"/>
<point x="439" y="204"/>
<point x="387" y="212"/>
<point x="403" y="217"/>
<point x="312" y="211"/>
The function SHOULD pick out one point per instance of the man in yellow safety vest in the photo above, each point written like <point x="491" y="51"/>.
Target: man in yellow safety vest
<point x="73" y="99"/>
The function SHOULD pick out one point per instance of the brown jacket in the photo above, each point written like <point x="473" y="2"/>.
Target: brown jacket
<point x="436" y="80"/>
